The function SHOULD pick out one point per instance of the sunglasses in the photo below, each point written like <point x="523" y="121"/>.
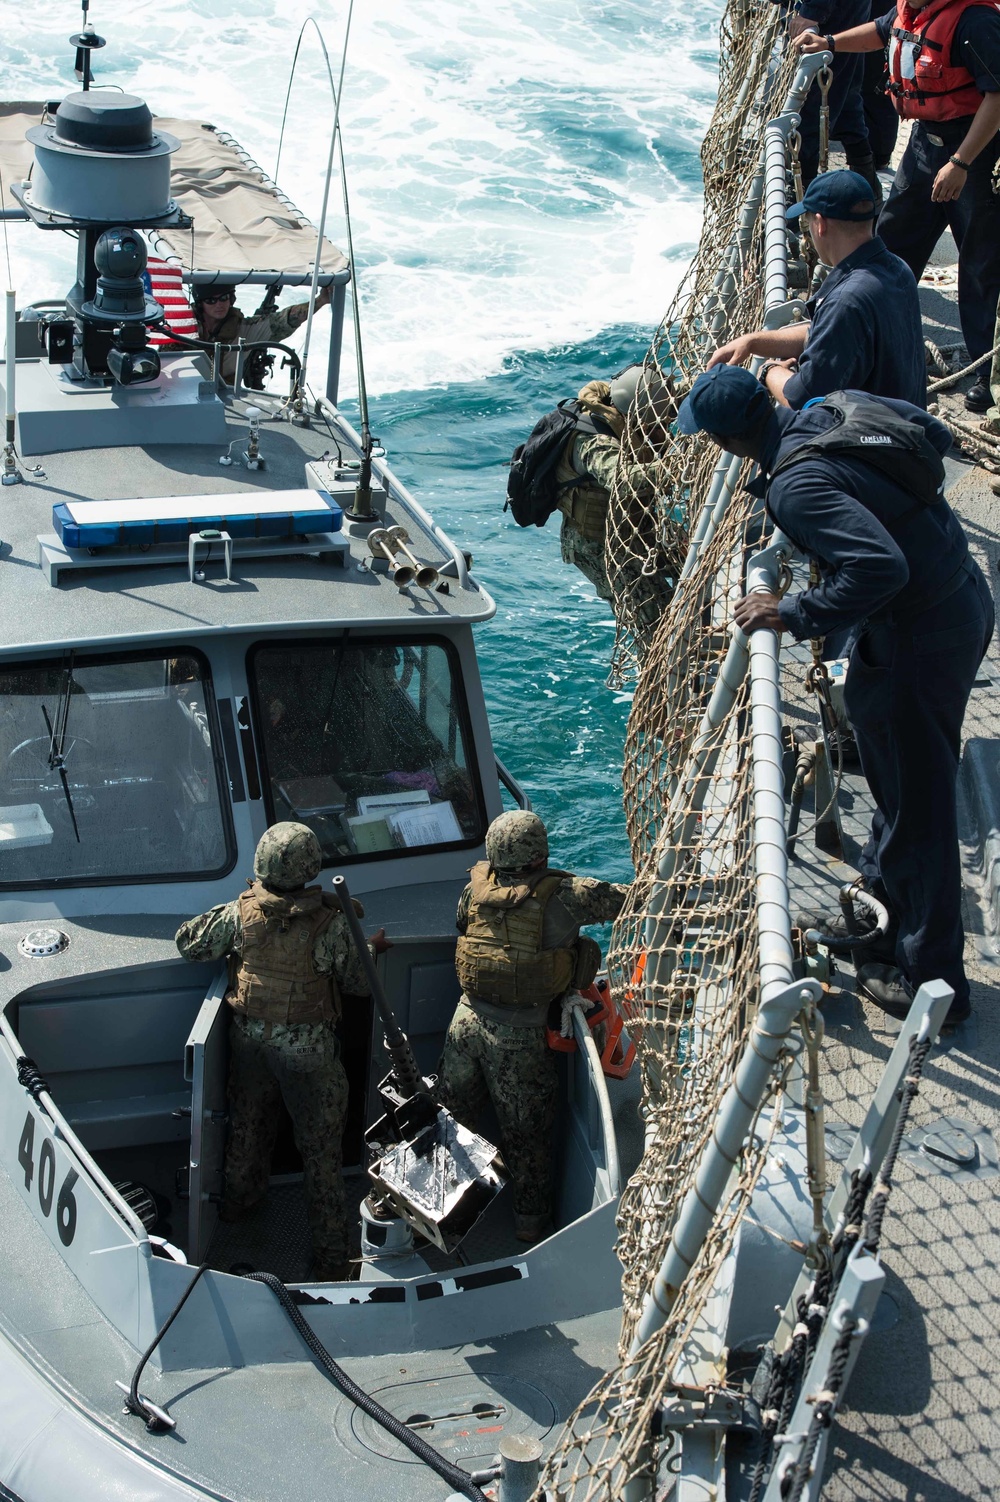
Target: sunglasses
<point x="217" y="297"/>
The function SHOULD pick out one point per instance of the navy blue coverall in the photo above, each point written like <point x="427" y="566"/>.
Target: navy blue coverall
<point x="880" y="114"/>
<point x="865" y="332"/>
<point x="924" y="617"/>
<point x="911" y="225"/>
<point x="847" y="111"/>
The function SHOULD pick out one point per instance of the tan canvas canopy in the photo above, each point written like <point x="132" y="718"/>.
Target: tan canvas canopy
<point x="243" y="224"/>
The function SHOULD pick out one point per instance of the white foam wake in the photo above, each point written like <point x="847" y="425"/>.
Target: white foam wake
<point x="522" y="175"/>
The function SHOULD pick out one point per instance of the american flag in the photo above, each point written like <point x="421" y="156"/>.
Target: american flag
<point x="163" y="282"/>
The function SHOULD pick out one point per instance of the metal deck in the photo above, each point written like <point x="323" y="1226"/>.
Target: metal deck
<point x="921" y="1421"/>
<point x="154" y="601"/>
<point x="264" y="1434"/>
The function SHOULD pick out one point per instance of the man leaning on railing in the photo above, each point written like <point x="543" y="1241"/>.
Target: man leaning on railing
<point x="894" y="565"/>
<point x="864" y="331"/>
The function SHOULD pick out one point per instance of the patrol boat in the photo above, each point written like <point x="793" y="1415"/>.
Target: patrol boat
<point x="221" y="609"/>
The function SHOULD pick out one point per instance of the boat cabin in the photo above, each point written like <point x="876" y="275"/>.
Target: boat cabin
<point x="222" y="609"/>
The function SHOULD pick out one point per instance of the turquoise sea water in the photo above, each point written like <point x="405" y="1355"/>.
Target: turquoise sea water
<point x="545" y="656"/>
<point x="525" y="186"/>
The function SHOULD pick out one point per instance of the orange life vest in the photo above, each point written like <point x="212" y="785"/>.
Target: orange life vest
<point x="924" y="82"/>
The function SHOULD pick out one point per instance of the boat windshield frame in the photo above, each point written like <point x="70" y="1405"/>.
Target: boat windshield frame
<point x="458" y="711"/>
<point x="206" y="724"/>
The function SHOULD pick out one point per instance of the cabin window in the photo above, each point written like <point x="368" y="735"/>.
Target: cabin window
<point x="110" y="772"/>
<point x="367" y="741"/>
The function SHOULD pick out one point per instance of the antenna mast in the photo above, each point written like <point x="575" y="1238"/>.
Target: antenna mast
<point x="85" y="41"/>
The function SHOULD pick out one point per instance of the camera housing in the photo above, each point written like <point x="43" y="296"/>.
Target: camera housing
<point x="120" y="309"/>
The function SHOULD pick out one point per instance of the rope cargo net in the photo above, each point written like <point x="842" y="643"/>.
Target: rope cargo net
<point x="684" y="957"/>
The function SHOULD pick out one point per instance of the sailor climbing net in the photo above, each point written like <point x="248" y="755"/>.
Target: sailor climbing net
<point x="684" y="956"/>
<point x="720" y="296"/>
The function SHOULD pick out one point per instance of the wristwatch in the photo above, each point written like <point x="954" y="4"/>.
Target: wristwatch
<point x="831" y="41"/>
<point x="770" y="365"/>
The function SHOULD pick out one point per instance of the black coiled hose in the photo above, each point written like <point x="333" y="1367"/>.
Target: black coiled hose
<point x="456" y="1478"/>
<point x="29" y="1077"/>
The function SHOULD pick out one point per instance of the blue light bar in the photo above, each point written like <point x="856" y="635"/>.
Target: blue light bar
<point x="172" y="519"/>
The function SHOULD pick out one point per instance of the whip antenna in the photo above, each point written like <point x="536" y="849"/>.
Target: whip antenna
<point x="85" y="41"/>
<point x="362" y="496"/>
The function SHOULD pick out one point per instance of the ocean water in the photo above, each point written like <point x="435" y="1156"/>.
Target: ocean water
<point x="525" y="193"/>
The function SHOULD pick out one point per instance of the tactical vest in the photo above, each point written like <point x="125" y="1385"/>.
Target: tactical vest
<point x="500" y="958"/>
<point x="275" y="977"/>
<point x="924" y="82"/>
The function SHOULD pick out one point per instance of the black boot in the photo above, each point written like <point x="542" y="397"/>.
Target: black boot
<point x="979" y="397"/>
<point x="889" y="989"/>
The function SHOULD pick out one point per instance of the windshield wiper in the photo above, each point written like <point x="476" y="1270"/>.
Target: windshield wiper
<point x="57" y="741"/>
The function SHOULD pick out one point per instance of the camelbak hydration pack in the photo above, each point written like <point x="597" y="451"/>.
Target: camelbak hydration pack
<point x="532" y="489"/>
<point x="881" y="437"/>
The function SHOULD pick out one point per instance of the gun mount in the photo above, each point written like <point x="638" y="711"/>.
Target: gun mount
<point x="431" y="1171"/>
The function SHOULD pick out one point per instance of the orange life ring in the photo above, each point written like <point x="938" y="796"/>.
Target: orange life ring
<point x="616" y="1058"/>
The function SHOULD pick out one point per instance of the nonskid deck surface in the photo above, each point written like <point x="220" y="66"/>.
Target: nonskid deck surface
<point x="922" y="1418"/>
<point x="127" y="601"/>
<point x="282" y="1433"/>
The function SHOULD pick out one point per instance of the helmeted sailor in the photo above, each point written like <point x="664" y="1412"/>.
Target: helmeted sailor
<point x="898" y="570"/>
<point x="585" y="477"/>
<point x="220" y="320"/>
<point x="519" y="950"/>
<point x="944" y="75"/>
<point x="864" y="331"/>
<point x="292" y="963"/>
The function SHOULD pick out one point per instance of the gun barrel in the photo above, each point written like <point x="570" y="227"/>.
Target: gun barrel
<point x="396" y="1041"/>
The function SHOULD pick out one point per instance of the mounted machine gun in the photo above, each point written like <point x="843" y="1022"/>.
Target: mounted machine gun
<point x="429" y="1170"/>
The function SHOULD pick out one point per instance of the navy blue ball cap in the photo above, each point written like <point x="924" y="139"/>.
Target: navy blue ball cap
<point x="726" y="400"/>
<point x="836" y="195"/>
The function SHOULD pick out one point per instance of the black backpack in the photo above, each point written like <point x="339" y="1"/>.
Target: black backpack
<point x="875" y="433"/>
<point x="532" y="492"/>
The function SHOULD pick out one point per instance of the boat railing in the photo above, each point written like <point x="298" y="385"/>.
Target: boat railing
<point x="514" y="788"/>
<point x="81" y="1158"/>
<point x="395" y="487"/>
<point x="703" y="958"/>
<point x="605" y="1116"/>
<point x="781" y="996"/>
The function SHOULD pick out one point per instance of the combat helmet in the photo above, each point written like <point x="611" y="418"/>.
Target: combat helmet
<point x="288" y="857"/>
<point x="649" y="389"/>
<point x="624" y="386"/>
<point x="515" y="841"/>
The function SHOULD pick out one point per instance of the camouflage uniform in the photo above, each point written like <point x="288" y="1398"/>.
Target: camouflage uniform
<point x="595" y="459"/>
<point x="297" y="1062"/>
<point x="596" y="456"/>
<point x="509" y="1062"/>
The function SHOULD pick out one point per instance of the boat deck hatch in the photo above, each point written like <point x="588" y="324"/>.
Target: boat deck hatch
<point x="464" y="1416"/>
